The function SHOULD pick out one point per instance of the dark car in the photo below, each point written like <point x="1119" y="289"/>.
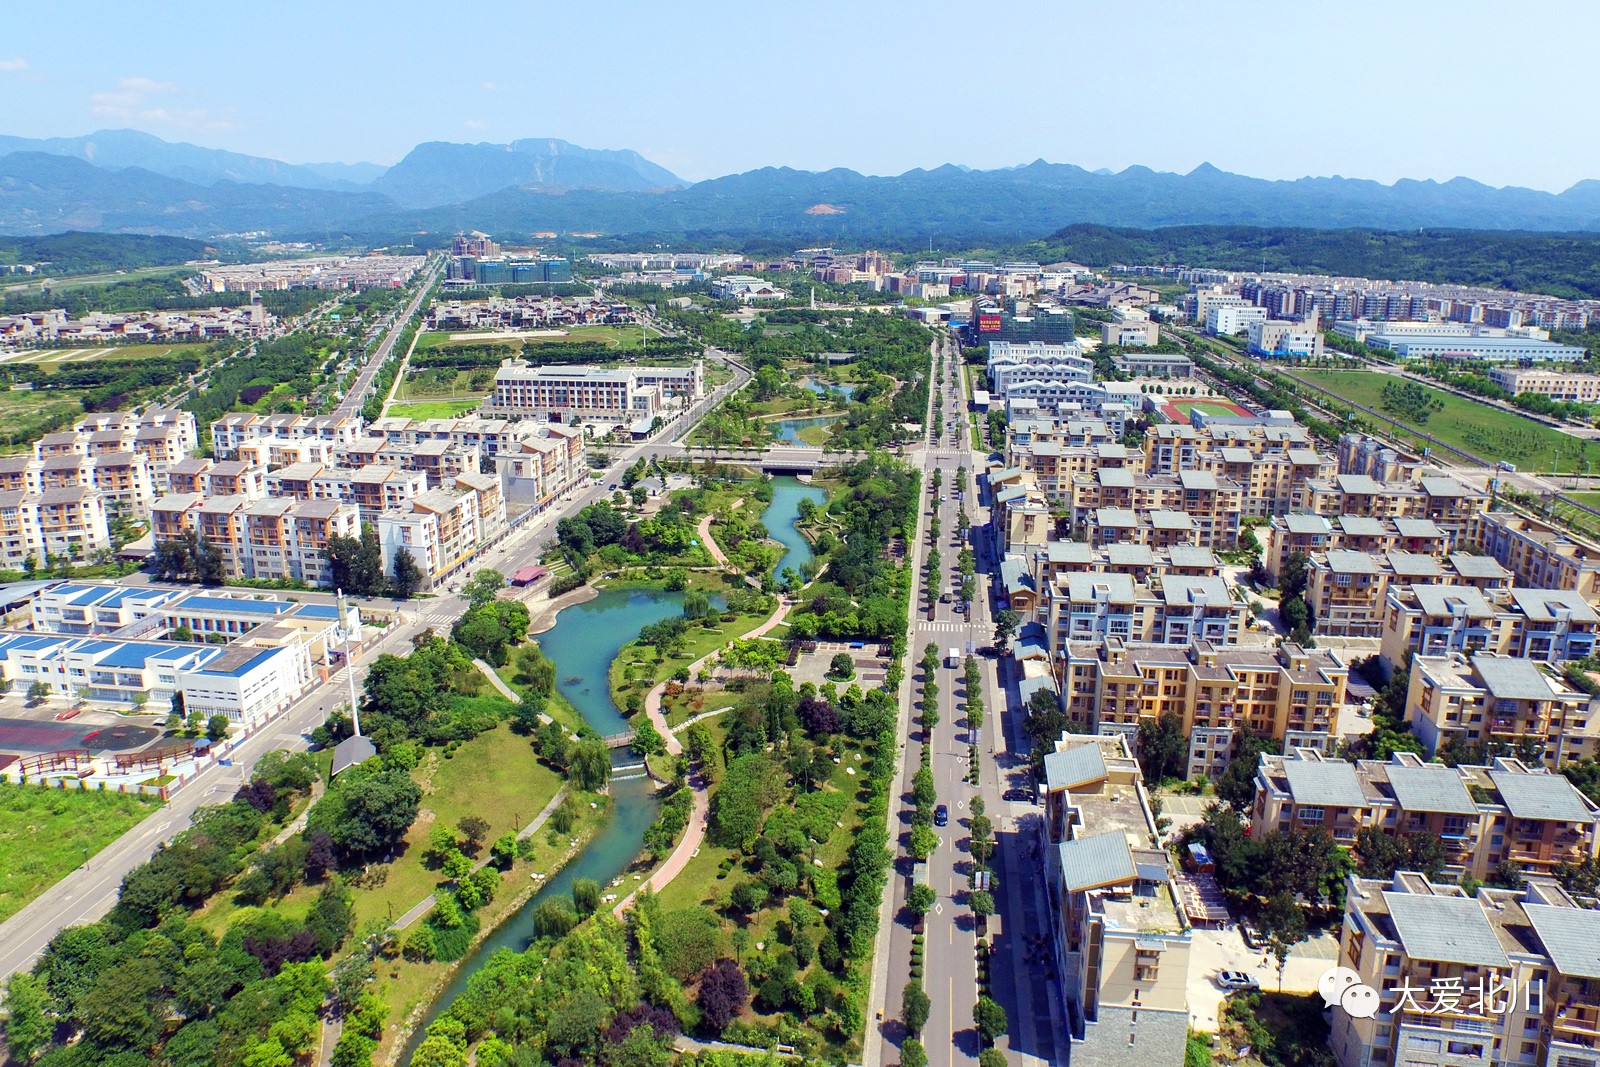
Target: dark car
<point x="988" y="652"/>
<point x="1022" y="795"/>
<point x="941" y="816"/>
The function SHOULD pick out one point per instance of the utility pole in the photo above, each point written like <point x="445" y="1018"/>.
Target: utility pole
<point x="349" y="663"/>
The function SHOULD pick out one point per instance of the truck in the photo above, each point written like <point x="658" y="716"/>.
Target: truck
<point x="952" y="658"/>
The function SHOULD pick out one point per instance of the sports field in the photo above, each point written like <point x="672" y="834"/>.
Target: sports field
<point x="622" y="338"/>
<point x="1179" y="410"/>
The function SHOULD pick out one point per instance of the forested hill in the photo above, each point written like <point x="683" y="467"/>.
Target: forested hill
<point x="75" y="251"/>
<point x="1561" y="264"/>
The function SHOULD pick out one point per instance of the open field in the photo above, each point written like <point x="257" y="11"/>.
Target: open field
<point x="49" y="358"/>
<point x="1490" y="432"/>
<point x="44" y="834"/>
<point x="622" y="338"/>
<point x="433" y="409"/>
<point x="26" y="415"/>
<point x="78" y="281"/>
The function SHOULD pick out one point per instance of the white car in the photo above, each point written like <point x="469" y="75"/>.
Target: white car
<point x="1237" y="980"/>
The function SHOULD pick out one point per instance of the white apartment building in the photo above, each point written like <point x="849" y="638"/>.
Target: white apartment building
<point x="1231" y="320"/>
<point x="1582" y="388"/>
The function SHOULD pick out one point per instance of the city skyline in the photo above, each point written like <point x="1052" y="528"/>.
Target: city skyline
<point x="880" y="91"/>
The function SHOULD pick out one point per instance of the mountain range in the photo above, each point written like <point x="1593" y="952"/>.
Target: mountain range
<point x="126" y="181"/>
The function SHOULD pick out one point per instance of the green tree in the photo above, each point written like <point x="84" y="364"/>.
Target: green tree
<point x="915" y="1004"/>
<point x="990" y="1018"/>
<point x="912" y="1054"/>
<point x="920" y="899"/>
<point x="38" y="692"/>
<point x="981" y="902"/>
<point x="408" y="577"/>
<point x="842" y="666"/>
<point x="217" y="727"/>
<point x="589" y="764"/>
<point x="1163" y="748"/>
<point x="1283" y="924"/>
<point x="26" y="1028"/>
<point x="1005" y="626"/>
<point x="483" y="587"/>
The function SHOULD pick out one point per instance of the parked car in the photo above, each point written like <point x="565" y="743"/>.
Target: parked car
<point x="1020" y="795"/>
<point x="941" y="815"/>
<point x="1237" y="980"/>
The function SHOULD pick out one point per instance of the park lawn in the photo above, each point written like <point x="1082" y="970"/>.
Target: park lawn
<point x="43" y="834"/>
<point x="442" y="339"/>
<point x="646" y="673"/>
<point x="816" y="435"/>
<point x="686" y="705"/>
<point x="556" y="705"/>
<point x="622" y="338"/>
<point x="1490" y="432"/>
<point x="406" y="985"/>
<point x="433" y="409"/>
<point x="495" y="776"/>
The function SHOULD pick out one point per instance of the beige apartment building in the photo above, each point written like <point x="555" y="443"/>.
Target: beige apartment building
<point x="1549" y="625"/>
<point x="67" y="522"/>
<point x="1505" y="977"/>
<point x="1458" y="700"/>
<point x="1308" y="533"/>
<point x="1082" y="606"/>
<point x="1537" y="554"/>
<point x="1288" y="693"/>
<point x="1451" y="505"/>
<point x="1503" y="812"/>
<point x="1121" y="939"/>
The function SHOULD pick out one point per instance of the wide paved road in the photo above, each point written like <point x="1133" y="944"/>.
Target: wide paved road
<point x="356" y="397"/>
<point x="949" y="969"/>
<point x="88" y="893"/>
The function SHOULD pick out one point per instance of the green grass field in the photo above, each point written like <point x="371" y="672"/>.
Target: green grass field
<point x="433" y="409"/>
<point x="1490" y="432"/>
<point x="44" y="832"/>
<point x="622" y="338"/>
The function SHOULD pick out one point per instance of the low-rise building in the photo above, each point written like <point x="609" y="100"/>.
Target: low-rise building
<point x="1153" y="364"/>
<point x="1232" y="320"/>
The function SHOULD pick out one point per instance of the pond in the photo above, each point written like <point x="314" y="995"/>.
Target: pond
<point x="787" y="431"/>
<point x="782" y="514"/>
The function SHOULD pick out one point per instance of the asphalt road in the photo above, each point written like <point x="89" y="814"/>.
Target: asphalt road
<point x="89" y="892"/>
<point x="950" y="961"/>
<point x="356" y="397"/>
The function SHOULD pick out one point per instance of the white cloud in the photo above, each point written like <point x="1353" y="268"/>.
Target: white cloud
<point x="129" y="94"/>
<point x="491" y="86"/>
<point x="13" y="65"/>
<point x="197" y="118"/>
<point x="476" y="124"/>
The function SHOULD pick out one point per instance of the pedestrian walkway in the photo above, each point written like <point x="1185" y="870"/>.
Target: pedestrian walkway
<point x="496" y="681"/>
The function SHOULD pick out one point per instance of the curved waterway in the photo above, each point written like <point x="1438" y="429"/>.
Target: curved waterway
<point x="781" y="515"/>
<point x="787" y="431"/>
<point x="584" y="641"/>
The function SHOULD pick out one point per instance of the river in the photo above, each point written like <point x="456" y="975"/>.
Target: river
<point x="584" y="641"/>
<point x="787" y="431"/>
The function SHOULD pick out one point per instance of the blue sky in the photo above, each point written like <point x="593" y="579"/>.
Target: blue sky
<point x="1379" y="90"/>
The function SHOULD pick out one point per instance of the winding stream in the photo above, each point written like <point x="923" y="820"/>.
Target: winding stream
<point x="582" y="644"/>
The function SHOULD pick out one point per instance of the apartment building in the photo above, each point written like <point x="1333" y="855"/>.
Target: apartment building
<point x="38" y="526"/>
<point x="1216" y="691"/>
<point x="1271" y="463"/>
<point x="121" y="479"/>
<point x="1537" y="554"/>
<point x="162" y="436"/>
<point x="209" y="477"/>
<point x="286" y="537"/>
<point x="1013" y="361"/>
<point x="1121" y="939"/>
<point x="231" y="433"/>
<point x="1173" y="609"/>
<point x="1505" y="976"/>
<point x="1461" y="701"/>
<point x="1034" y="567"/>
<point x="1447" y="502"/>
<point x="442" y="528"/>
<point x="1551" y="626"/>
<point x="1557" y="385"/>
<point x="1483" y="816"/>
<point x="1212" y="504"/>
<point x="1309" y="534"/>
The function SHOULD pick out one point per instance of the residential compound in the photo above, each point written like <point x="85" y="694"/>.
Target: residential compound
<point x="61" y="500"/>
<point x="524" y="313"/>
<point x="1121" y="939"/>
<point x="1500" y="976"/>
<point x="318" y="272"/>
<point x="437" y="488"/>
<point x="54" y="327"/>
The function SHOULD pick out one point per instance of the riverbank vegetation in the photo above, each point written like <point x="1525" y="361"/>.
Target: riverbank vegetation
<point x="46" y="833"/>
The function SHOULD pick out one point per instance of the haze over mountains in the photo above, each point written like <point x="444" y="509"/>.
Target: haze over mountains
<point x="127" y="181"/>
